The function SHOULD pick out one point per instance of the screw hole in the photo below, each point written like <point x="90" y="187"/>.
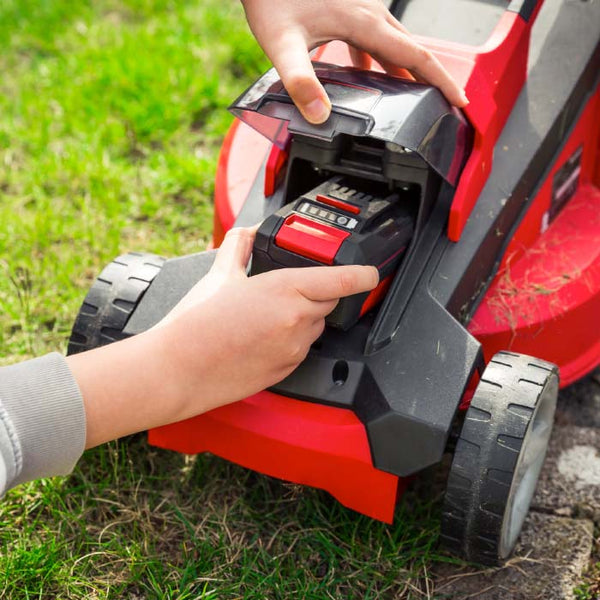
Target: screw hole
<point x="340" y="372"/>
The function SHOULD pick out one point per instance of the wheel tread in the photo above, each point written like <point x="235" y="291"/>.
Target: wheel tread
<point x="486" y="454"/>
<point x="510" y="442"/>
<point x="112" y="299"/>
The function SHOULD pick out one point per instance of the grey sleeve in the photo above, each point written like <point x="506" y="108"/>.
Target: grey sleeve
<point x="42" y="420"/>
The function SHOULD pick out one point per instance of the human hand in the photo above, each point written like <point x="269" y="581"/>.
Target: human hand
<point x="234" y="335"/>
<point x="288" y="32"/>
<point x="229" y="337"/>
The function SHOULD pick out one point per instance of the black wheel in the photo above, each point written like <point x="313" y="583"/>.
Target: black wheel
<point x="498" y="457"/>
<point x="112" y="299"/>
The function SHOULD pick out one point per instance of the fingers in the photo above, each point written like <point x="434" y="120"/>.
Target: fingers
<point x="287" y="30"/>
<point x="392" y="46"/>
<point x="396" y="71"/>
<point x="391" y="19"/>
<point x="234" y="252"/>
<point x="318" y="327"/>
<point x="290" y="57"/>
<point x="330" y="283"/>
<point x="360" y="59"/>
<point x="321" y="308"/>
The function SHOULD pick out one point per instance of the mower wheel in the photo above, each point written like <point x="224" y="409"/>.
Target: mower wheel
<point x="498" y="457"/>
<point x="112" y="299"/>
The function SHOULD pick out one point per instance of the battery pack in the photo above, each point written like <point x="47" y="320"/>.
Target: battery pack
<point x="338" y="223"/>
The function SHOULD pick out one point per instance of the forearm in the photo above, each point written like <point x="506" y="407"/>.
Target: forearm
<point x="51" y="408"/>
<point x="128" y="387"/>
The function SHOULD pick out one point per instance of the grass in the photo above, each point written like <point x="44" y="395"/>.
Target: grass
<point x="111" y="117"/>
<point x="151" y="524"/>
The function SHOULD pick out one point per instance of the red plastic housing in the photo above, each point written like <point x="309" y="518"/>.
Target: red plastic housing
<point x="310" y="444"/>
<point x="545" y="299"/>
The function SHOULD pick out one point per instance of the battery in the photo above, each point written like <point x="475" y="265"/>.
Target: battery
<point x="336" y="223"/>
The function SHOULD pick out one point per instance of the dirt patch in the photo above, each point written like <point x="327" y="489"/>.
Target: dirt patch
<point x="547" y="565"/>
<point x="569" y="482"/>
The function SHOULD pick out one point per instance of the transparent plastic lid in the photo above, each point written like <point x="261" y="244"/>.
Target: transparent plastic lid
<point x="365" y="104"/>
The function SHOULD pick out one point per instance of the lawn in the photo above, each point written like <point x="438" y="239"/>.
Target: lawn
<point x="111" y="117"/>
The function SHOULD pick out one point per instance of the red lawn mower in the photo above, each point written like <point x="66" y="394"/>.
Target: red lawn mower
<point x="485" y="227"/>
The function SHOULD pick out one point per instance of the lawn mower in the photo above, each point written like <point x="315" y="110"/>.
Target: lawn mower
<point x="484" y="224"/>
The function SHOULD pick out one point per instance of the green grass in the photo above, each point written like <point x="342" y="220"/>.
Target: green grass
<point x="590" y="588"/>
<point x="111" y="117"/>
<point x="140" y="523"/>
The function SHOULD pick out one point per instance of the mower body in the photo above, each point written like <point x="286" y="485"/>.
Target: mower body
<point x="505" y="252"/>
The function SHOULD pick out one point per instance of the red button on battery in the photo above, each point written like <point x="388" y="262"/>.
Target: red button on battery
<point x="313" y="240"/>
<point x="355" y="210"/>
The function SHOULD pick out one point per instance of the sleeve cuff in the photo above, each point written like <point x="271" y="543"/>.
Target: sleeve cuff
<point x="45" y="417"/>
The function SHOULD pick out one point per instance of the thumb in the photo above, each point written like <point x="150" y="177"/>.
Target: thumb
<point x="234" y="252"/>
<point x="330" y="283"/>
<point x="292" y="61"/>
